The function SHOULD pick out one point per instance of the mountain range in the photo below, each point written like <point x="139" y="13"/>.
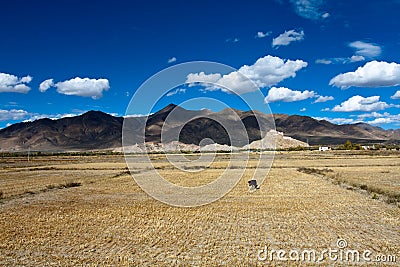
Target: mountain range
<point x="96" y="130"/>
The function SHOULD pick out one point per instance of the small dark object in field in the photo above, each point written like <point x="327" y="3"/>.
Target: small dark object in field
<point x="364" y="187"/>
<point x="253" y="185"/>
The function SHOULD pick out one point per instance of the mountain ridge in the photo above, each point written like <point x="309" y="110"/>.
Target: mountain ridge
<point x="98" y="130"/>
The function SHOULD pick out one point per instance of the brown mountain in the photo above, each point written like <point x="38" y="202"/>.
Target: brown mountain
<point x="191" y="127"/>
<point x="98" y="130"/>
<point x="324" y="132"/>
<point x="92" y="130"/>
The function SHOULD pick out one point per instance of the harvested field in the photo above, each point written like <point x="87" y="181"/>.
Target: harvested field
<point x="106" y="219"/>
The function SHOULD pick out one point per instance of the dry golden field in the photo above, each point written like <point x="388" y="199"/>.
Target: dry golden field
<point x="88" y="211"/>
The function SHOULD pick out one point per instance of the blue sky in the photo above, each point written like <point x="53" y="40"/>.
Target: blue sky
<point x="337" y="60"/>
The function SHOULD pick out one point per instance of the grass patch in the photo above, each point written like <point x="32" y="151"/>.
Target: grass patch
<point x="66" y="185"/>
<point x="379" y="193"/>
<point x="393" y="198"/>
<point x="72" y="184"/>
<point x="375" y="192"/>
<point x="314" y="170"/>
<point x="196" y="167"/>
<point x="51" y="186"/>
<point x="127" y="172"/>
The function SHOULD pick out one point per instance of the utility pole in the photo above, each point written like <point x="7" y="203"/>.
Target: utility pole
<point x="29" y="152"/>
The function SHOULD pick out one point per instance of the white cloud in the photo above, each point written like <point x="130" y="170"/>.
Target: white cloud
<point x="83" y="87"/>
<point x="303" y="109"/>
<point x="310" y="9"/>
<point x="359" y="103"/>
<point x="25" y="116"/>
<point x="171" y="60"/>
<point x="366" y="49"/>
<point x="380" y="118"/>
<point x="396" y="95"/>
<point x="283" y="94"/>
<point x="386" y="120"/>
<point x="13" y="84"/>
<point x="12" y="104"/>
<point x="266" y="71"/>
<point x="232" y="40"/>
<point x="263" y="34"/>
<point x="340" y="60"/>
<point x="342" y="120"/>
<point x="326" y="15"/>
<point x="26" y="79"/>
<point x="177" y="91"/>
<point x="78" y="86"/>
<point x="137" y="115"/>
<point x="357" y="58"/>
<point x="207" y="80"/>
<point x="37" y="116"/>
<point x="337" y="120"/>
<point x="378" y="121"/>
<point x="322" y="99"/>
<point x="287" y="37"/>
<point x="270" y="70"/>
<point x="362" y="50"/>
<point x="45" y="85"/>
<point x="372" y="74"/>
<point x="323" y="61"/>
<point x="13" y="114"/>
<point x="372" y="115"/>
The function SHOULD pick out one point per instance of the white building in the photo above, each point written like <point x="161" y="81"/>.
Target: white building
<point x="324" y="148"/>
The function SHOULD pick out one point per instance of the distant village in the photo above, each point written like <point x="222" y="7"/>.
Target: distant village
<point x="351" y="146"/>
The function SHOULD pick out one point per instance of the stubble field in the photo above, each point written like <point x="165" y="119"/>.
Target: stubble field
<point x="87" y="210"/>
